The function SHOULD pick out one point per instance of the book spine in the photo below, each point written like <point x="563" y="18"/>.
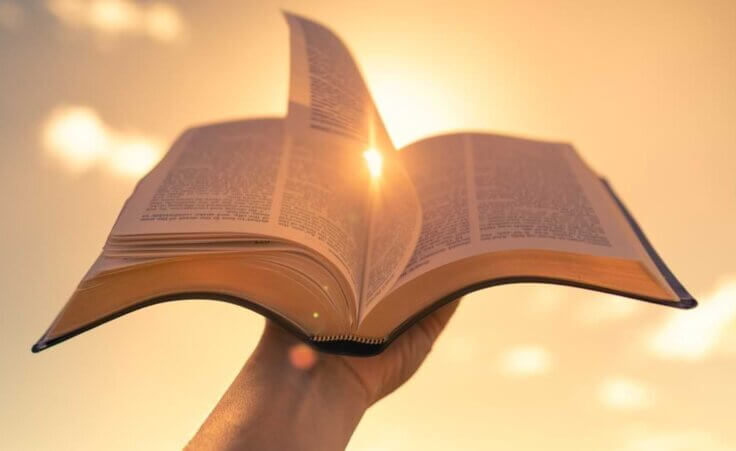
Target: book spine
<point x="348" y="337"/>
<point x="686" y="300"/>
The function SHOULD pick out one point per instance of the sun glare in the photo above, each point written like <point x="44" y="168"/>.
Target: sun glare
<point x="374" y="160"/>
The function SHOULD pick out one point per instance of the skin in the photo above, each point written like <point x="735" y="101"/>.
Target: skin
<point x="313" y="402"/>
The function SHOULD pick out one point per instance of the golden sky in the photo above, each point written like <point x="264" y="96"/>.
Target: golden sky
<point x="645" y="91"/>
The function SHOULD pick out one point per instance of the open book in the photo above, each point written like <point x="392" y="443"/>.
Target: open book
<point x="319" y="223"/>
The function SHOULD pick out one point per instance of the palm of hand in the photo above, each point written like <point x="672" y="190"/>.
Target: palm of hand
<point x="378" y="375"/>
<point x="382" y="374"/>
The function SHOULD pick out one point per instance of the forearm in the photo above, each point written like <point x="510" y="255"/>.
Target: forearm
<point x="273" y="405"/>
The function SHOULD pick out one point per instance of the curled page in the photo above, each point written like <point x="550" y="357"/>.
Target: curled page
<point x="395" y="230"/>
<point x="333" y="119"/>
<point x="327" y="94"/>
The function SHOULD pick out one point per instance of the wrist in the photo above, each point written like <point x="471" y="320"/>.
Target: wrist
<point x="276" y="402"/>
<point x="296" y="369"/>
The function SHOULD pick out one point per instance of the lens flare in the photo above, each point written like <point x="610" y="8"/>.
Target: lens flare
<point x="302" y="357"/>
<point x="374" y="160"/>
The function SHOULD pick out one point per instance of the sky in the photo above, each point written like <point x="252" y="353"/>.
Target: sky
<point x="93" y="91"/>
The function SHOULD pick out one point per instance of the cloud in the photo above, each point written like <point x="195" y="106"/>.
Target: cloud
<point x="159" y="21"/>
<point x="545" y="298"/>
<point x="624" y="394"/>
<point x="607" y="308"/>
<point x="525" y="360"/>
<point x="695" y="334"/>
<point x="11" y="15"/>
<point x="77" y="136"/>
<point x="687" y="440"/>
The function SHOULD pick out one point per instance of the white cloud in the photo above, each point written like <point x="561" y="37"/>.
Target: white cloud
<point x="77" y="136"/>
<point x="525" y="360"/>
<point x="11" y="15"/>
<point x="607" y="308"/>
<point x="546" y="298"/>
<point x="159" y="21"/>
<point x="695" y="334"/>
<point x="163" y="22"/>
<point x="624" y="394"/>
<point x="688" y="440"/>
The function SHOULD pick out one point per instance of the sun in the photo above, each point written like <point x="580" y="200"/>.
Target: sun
<point x="374" y="160"/>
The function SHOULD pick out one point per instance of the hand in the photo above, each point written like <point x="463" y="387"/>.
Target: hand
<point x="288" y="396"/>
<point x="384" y="373"/>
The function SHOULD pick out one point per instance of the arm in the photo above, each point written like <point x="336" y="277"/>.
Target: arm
<point x="287" y="396"/>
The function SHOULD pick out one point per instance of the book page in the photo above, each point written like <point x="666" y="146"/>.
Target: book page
<point x="440" y="174"/>
<point x="325" y="201"/>
<point x="327" y="94"/>
<point x="235" y="180"/>
<point x="220" y="178"/>
<point x="332" y="122"/>
<point x="304" y="182"/>
<point x="395" y="228"/>
<point x="483" y="193"/>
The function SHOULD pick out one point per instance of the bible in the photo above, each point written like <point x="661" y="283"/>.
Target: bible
<point x="318" y="222"/>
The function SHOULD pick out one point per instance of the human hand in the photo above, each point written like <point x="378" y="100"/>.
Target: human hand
<point x="381" y="374"/>
<point x="288" y="396"/>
